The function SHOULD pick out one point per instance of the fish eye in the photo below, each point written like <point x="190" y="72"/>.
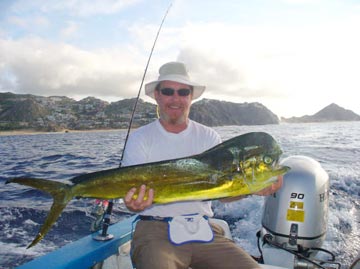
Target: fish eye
<point x="267" y="159"/>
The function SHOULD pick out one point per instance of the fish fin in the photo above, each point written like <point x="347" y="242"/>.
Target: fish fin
<point x="61" y="194"/>
<point x="54" y="214"/>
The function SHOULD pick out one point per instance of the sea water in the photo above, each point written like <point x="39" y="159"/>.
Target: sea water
<point x="60" y="156"/>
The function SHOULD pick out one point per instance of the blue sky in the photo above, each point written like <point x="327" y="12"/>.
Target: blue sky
<point x="293" y="56"/>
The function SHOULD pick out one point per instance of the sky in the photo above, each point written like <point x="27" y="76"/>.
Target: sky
<point x="293" y="56"/>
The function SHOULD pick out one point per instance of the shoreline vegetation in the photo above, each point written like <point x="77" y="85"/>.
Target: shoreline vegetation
<point x="35" y="132"/>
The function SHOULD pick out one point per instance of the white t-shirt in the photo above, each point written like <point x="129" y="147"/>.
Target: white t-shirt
<point x="151" y="143"/>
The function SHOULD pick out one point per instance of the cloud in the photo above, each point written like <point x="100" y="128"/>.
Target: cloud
<point x="44" y="68"/>
<point x="29" y="23"/>
<point x="75" y="7"/>
<point x="277" y="64"/>
<point x="241" y="67"/>
<point x="18" y="21"/>
<point x="305" y="2"/>
<point x="290" y="68"/>
<point x="70" y="29"/>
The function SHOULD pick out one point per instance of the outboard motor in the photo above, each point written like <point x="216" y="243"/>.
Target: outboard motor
<point x="295" y="218"/>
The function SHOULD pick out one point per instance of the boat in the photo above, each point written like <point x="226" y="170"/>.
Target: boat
<point x="293" y="229"/>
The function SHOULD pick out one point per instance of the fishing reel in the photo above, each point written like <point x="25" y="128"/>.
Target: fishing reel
<point x="295" y="218"/>
<point x="97" y="214"/>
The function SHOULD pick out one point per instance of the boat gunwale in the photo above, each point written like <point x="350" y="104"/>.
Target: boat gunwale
<point x="85" y="252"/>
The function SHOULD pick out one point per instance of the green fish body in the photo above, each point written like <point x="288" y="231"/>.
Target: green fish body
<point x="242" y="165"/>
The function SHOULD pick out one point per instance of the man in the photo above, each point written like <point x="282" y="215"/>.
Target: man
<point x="159" y="241"/>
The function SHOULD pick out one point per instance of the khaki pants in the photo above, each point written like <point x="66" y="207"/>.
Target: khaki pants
<point x="151" y="249"/>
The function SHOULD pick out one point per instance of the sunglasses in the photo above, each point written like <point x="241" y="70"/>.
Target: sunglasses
<point x="171" y="92"/>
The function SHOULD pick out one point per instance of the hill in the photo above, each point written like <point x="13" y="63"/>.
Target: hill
<point x="332" y="112"/>
<point x="221" y="113"/>
<point x="54" y="113"/>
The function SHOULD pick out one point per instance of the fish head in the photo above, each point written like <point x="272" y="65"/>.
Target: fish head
<point x="257" y="172"/>
<point x="255" y="164"/>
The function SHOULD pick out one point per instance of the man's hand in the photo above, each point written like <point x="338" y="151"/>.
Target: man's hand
<point x="139" y="203"/>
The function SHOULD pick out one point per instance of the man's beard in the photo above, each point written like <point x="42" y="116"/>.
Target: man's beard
<point x="175" y="121"/>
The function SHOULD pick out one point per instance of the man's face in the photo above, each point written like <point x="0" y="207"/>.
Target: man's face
<point x="173" y="109"/>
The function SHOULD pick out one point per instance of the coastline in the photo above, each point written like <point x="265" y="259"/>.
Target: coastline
<point x="35" y="132"/>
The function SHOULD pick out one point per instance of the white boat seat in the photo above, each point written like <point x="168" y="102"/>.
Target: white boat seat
<point x="224" y="225"/>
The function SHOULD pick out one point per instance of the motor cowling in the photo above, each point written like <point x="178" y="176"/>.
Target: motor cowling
<point x="296" y="215"/>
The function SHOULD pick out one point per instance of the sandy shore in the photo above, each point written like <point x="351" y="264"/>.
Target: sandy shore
<point x="34" y="132"/>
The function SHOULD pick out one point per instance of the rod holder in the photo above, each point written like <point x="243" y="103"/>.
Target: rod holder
<point x="104" y="236"/>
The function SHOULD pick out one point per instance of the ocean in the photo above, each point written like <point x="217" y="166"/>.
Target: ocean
<point x="60" y="156"/>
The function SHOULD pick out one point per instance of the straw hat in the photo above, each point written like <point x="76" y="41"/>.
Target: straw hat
<point x="174" y="71"/>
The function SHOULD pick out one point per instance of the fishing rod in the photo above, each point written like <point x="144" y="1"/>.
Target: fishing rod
<point x="142" y="82"/>
<point x="104" y="235"/>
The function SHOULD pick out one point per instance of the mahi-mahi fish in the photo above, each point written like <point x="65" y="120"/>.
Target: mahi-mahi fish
<point x="242" y="165"/>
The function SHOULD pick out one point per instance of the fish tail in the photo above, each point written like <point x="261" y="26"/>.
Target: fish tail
<point x="61" y="194"/>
